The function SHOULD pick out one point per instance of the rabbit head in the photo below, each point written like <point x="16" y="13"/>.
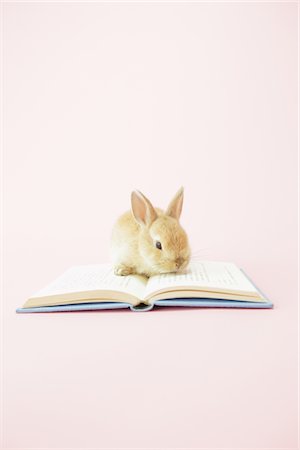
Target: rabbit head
<point x="162" y="241"/>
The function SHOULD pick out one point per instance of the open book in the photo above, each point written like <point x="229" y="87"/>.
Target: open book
<point x="93" y="287"/>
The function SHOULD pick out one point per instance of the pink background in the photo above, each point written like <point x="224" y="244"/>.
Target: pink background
<point x="103" y="98"/>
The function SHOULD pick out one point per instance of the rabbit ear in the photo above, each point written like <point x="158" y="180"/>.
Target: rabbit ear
<point x="142" y="209"/>
<point x="175" y="207"/>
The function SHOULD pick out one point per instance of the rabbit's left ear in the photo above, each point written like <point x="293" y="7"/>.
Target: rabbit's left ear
<point x="175" y="207"/>
<point x="142" y="209"/>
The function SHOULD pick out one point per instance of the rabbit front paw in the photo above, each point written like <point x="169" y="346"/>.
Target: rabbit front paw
<point x="123" y="270"/>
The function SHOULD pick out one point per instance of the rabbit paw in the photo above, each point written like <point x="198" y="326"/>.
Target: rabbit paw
<point x="123" y="270"/>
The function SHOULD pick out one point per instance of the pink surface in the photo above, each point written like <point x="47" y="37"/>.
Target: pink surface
<point x="104" y="98"/>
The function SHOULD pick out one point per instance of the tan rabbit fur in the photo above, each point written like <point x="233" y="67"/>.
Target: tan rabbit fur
<point x="148" y="241"/>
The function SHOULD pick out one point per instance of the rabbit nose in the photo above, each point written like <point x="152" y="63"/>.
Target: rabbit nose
<point x="179" y="262"/>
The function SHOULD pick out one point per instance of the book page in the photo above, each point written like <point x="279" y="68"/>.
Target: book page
<point x="98" y="277"/>
<point x="204" y="275"/>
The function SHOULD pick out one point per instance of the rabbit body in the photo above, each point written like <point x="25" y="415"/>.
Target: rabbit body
<point x="149" y="241"/>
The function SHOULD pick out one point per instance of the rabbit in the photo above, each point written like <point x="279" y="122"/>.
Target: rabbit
<point x="148" y="241"/>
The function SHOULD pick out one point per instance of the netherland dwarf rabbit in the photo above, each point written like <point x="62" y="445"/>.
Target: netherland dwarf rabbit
<point x="148" y="241"/>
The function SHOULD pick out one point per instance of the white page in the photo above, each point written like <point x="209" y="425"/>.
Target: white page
<point x="203" y="275"/>
<point x="98" y="277"/>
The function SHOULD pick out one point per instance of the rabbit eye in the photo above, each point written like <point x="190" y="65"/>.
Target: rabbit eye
<point x="158" y="245"/>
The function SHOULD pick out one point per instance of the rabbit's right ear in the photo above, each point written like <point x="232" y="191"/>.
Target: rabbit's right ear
<point x="175" y="207"/>
<point x="142" y="209"/>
